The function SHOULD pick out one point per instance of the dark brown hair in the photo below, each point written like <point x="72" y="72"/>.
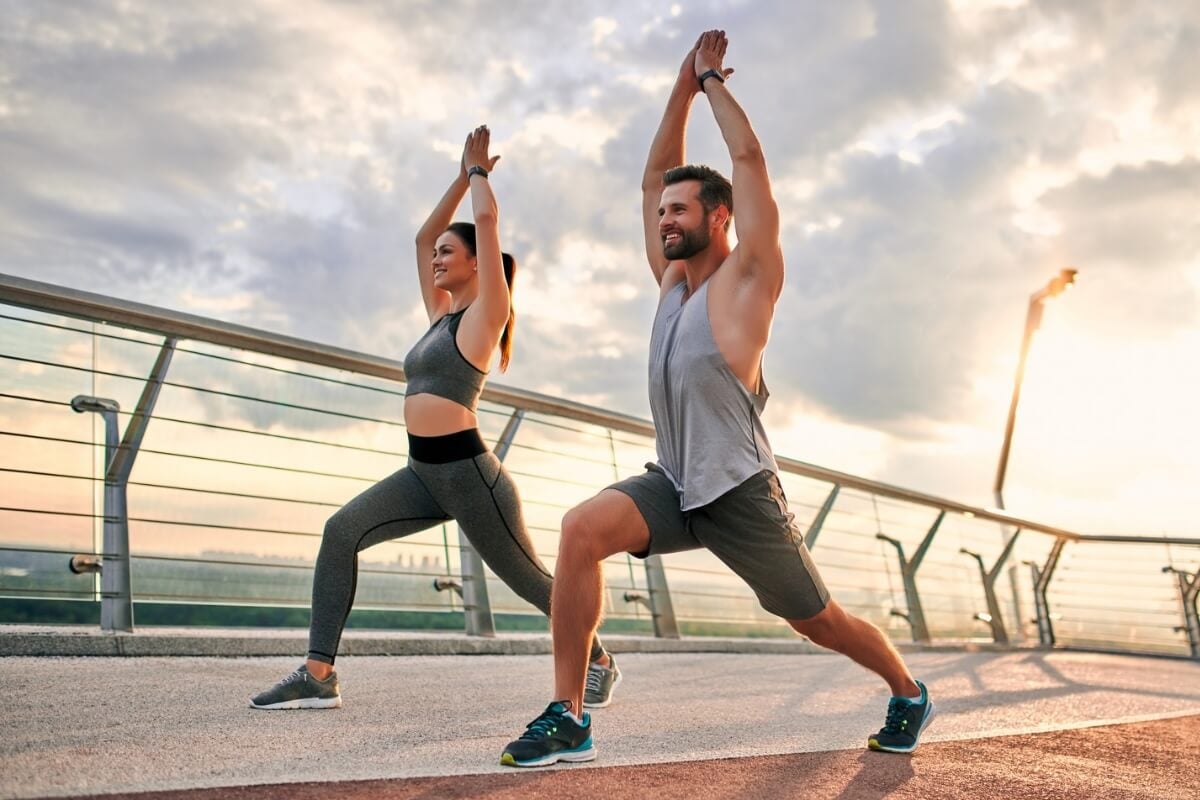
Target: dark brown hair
<point x="466" y="232"/>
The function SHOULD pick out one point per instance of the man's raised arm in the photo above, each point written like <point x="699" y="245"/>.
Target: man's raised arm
<point x="756" y="216"/>
<point x="666" y="151"/>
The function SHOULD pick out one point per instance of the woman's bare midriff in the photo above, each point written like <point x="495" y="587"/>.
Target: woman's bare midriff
<point x="430" y="415"/>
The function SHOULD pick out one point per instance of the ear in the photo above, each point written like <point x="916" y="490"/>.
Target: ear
<point x="720" y="215"/>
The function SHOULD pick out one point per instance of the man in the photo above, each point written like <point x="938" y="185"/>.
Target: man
<point x="715" y="485"/>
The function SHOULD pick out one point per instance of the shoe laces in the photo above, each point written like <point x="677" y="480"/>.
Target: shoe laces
<point x="543" y="726"/>
<point x="296" y="675"/>
<point x="897" y="719"/>
<point x="595" y="676"/>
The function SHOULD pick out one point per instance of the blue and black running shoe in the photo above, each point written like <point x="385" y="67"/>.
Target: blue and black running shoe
<point x="906" y="721"/>
<point x="552" y="737"/>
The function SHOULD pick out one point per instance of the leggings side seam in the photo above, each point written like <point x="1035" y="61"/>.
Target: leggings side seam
<point x="491" y="486"/>
<point x="500" y="513"/>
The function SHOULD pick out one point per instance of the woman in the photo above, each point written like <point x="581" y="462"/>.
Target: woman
<point x="451" y="474"/>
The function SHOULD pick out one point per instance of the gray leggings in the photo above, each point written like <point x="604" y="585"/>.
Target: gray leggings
<point x="476" y="491"/>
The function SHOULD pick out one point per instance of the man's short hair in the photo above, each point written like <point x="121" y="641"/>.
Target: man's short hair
<point x="715" y="188"/>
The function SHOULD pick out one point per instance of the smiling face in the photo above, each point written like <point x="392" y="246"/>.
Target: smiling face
<point x="453" y="263"/>
<point x="683" y="225"/>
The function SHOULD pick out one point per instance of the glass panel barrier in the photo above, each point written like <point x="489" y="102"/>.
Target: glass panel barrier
<point x="256" y="440"/>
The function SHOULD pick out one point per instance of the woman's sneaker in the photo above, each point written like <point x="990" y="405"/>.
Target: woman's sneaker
<point x="601" y="680"/>
<point x="300" y="690"/>
<point x="554" y="736"/>
<point x="906" y="721"/>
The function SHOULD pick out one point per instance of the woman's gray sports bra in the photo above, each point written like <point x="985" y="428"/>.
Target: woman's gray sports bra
<point x="436" y="366"/>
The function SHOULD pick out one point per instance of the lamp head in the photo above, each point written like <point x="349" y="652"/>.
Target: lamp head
<point x="82" y="403"/>
<point x="1063" y="281"/>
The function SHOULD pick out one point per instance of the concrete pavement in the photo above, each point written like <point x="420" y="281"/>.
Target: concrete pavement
<point x="79" y="726"/>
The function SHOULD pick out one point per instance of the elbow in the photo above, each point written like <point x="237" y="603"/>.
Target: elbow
<point x="748" y="153"/>
<point x="487" y="217"/>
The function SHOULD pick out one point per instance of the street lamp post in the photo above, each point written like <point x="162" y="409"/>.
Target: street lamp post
<point x="1033" y="319"/>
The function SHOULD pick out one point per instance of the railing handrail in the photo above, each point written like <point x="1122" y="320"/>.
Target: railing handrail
<point x="56" y="299"/>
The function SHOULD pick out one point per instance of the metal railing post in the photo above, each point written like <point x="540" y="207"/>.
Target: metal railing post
<point x="1189" y="589"/>
<point x="814" y="530"/>
<point x="1041" y="585"/>
<point x="116" y="580"/>
<point x="1191" y="615"/>
<point x="989" y="576"/>
<point x="116" y="603"/>
<point x="908" y="571"/>
<point x="662" y="610"/>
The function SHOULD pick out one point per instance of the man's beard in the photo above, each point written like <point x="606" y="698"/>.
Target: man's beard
<point x="690" y="243"/>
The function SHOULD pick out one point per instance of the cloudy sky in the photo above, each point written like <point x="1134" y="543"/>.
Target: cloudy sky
<point x="268" y="163"/>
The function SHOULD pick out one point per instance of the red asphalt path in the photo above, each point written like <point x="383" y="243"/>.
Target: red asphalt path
<point x="1155" y="760"/>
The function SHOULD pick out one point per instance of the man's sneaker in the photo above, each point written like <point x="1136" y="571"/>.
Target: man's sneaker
<point x="601" y="680"/>
<point x="906" y="721"/>
<point x="300" y="690"/>
<point x="554" y="736"/>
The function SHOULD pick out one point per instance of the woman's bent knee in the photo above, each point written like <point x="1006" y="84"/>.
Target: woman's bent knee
<point x="338" y="535"/>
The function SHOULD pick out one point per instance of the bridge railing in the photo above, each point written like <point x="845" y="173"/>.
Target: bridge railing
<point x="194" y="462"/>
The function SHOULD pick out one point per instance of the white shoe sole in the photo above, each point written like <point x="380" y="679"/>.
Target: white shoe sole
<point x="305" y="702"/>
<point x="554" y="758"/>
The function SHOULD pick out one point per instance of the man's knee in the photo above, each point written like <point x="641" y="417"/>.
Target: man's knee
<point x="584" y="538"/>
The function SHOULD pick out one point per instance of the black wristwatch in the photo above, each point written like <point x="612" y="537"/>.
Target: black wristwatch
<point x="712" y="73"/>
<point x="477" y="170"/>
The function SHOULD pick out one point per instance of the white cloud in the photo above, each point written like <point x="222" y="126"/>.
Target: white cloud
<point x="934" y="163"/>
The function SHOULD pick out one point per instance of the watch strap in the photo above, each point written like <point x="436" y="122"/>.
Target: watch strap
<point x="712" y="73"/>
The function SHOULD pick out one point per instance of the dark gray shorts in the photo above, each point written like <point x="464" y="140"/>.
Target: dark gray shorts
<point x="749" y="528"/>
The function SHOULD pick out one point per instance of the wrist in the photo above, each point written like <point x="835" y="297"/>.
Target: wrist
<point x="687" y="84"/>
<point x="684" y="92"/>
<point x="714" y="74"/>
<point x="476" y="169"/>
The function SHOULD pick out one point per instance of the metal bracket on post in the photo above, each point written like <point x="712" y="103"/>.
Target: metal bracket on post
<point x="1189" y="589"/>
<point x="908" y="571"/>
<point x="443" y="584"/>
<point x="1041" y="584"/>
<point x="993" y="617"/>
<point x="639" y="598"/>
<point x="116" y="583"/>
<point x="814" y="530"/>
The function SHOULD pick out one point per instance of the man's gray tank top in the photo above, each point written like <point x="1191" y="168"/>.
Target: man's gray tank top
<point x="436" y="366"/>
<point x="706" y="423"/>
